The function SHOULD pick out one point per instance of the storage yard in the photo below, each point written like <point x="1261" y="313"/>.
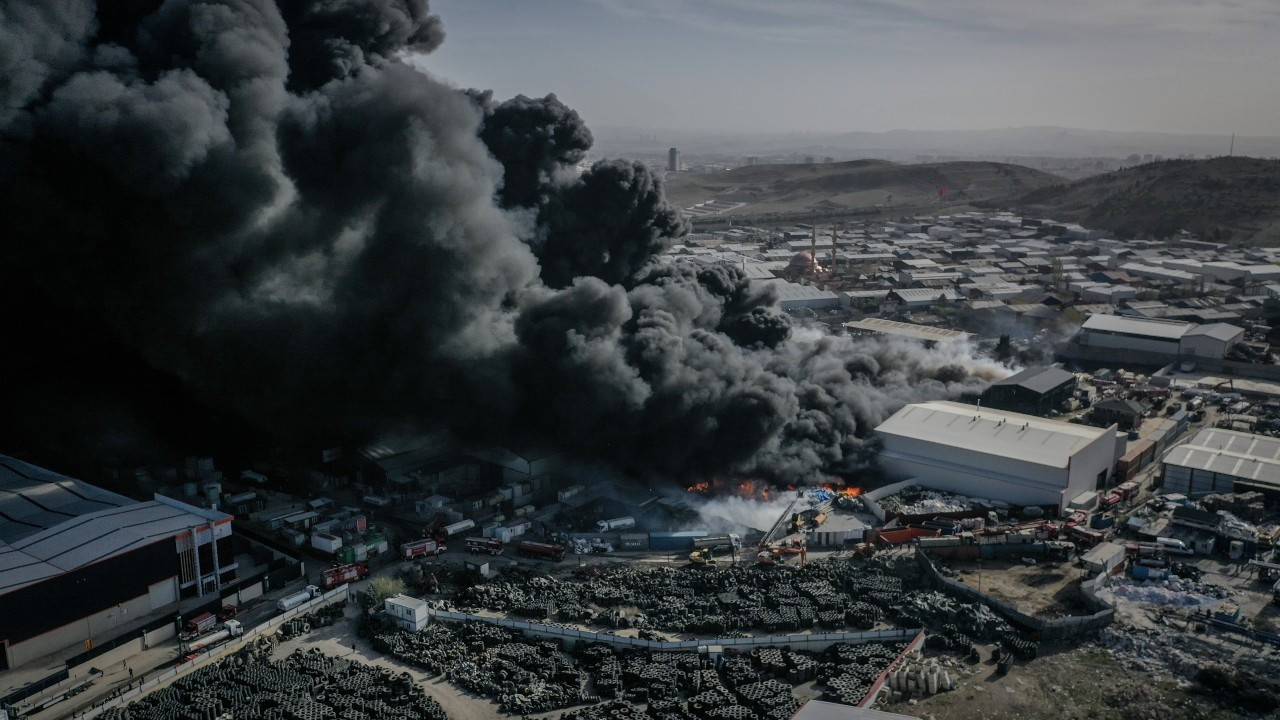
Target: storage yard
<point x="914" y="596"/>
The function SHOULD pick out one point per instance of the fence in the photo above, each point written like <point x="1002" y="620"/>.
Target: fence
<point x="206" y="656"/>
<point x="1045" y="629"/>
<point x="805" y="640"/>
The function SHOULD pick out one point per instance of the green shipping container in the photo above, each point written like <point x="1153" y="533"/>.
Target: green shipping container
<point x="346" y="554"/>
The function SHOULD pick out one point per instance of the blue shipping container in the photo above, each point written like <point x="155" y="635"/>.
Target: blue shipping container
<point x="662" y="541"/>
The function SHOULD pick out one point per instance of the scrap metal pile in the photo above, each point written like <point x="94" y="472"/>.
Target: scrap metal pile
<point x="303" y="686"/>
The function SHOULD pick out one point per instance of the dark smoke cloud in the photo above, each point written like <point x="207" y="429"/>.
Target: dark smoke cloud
<point x="261" y="200"/>
<point x="608" y="223"/>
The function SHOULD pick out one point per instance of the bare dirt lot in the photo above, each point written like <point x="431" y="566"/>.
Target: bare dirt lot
<point x="1041" y="590"/>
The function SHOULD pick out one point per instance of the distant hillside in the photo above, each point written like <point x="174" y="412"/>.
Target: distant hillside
<point x="861" y="183"/>
<point x="1228" y="199"/>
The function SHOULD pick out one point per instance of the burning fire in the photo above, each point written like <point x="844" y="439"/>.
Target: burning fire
<point x="752" y="489"/>
<point x="746" y="488"/>
<point x="848" y="491"/>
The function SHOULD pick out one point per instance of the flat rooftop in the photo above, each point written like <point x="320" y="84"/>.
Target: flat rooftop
<point x="909" y="330"/>
<point x="994" y="432"/>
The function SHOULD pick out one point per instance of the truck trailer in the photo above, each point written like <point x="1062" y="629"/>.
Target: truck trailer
<point x="619" y="523"/>
<point x="544" y="551"/>
<point x="718" y="542"/>
<point x="290" y="602"/>
<point x="421" y="548"/>
<point x="452" y="530"/>
<point x="230" y="629"/>
<point x="335" y="576"/>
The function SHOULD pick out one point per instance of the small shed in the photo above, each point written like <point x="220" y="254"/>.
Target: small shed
<point x="1105" y="557"/>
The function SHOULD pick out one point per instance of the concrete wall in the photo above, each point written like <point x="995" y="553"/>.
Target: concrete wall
<point x="803" y="641"/>
<point x="78" y="632"/>
<point x="335" y="595"/>
<point x="1045" y="629"/>
<point x="973" y="474"/>
<point x="1126" y="342"/>
<point x="1097" y="457"/>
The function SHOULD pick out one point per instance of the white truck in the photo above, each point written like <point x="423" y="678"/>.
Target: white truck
<point x="290" y="602"/>
<point x="621" y="523"/>
<point x="230" y="629"/>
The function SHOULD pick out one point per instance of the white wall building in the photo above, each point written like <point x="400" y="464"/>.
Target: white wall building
<point x="1019" y="459"/>
<point x="1162" y="337"/>
<point x="408" y="613"/>
<point x="1214" y="461"/>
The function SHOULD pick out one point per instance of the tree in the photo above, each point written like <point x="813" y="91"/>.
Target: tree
<point x="1004" y="348"/>
<point x="381" y="588"/>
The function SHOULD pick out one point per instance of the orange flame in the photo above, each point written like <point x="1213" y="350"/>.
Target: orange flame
<point x="849" y="492"/>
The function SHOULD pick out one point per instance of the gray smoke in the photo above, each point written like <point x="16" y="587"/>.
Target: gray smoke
<point x="264" y="200"/>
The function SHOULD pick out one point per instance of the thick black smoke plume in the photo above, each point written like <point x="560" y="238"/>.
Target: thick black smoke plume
<point x="262" y="199"/>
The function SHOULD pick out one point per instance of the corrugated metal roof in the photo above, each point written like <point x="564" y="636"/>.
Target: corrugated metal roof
<point x="1229" y="452"/>
<point x="1039" y="380"/>
<point x="54" y="524"/>
<point x="1218" y="331"/>
<point x="994" y="432"/>
<point x="33" y="499"/>
<point x="1145" y="327"/>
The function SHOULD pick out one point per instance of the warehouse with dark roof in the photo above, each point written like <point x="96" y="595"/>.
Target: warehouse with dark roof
<point x="76" y="559"/>
<point x="1034" y="391"/>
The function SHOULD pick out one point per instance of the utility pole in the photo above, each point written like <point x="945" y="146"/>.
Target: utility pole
<point x="1232" y="151"/>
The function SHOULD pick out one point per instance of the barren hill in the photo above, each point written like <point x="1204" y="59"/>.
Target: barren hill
<point x="1234" y="199"/>
<point x="857" y="184"/>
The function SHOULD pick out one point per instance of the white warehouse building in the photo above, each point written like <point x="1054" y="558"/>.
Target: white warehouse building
<point x="1011" y="457"/>
<point x="1171" y="338"/>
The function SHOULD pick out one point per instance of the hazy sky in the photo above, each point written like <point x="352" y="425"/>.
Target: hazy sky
<point x="836" y="65"/>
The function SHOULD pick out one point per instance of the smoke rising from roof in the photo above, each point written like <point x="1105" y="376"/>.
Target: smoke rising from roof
<point x="263" y="200"/>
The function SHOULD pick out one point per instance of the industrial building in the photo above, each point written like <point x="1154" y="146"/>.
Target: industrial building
<point x="1011" y="457"/>
<point x="76" y="561"/>
<point x="1034" y="391"/>
<point x="1223" y="461"/>
<point x="1169" y="338"/>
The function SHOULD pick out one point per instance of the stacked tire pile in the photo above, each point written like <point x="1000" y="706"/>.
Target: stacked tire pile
<point x="849" y="671"/>
<point x="704" y="601"/>
<point x="616" y="710"/>
<point x="769" y="699"/>
<point x="324" y="617"/>
<point x="523" y="675"/>
<point x="303" y="686"/>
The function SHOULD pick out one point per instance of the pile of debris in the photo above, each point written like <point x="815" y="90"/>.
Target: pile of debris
<point x="1175" y="591"/>
<point x="921" y="501"/>
<point x="1247" y="505"/>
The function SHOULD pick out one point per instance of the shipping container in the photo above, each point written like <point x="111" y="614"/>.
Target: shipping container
<point x="664" y="541"/>
<point x="346" y="554"/>
<point x="635" y="541"/>
<point x="1142" y="572"/>
<point x="568" y="492"/>
<point x="324" y="542"/>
